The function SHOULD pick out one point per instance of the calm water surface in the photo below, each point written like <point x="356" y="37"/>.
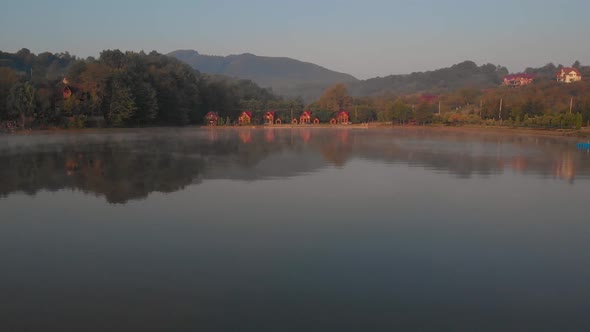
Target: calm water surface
<point x="293" y="230"/>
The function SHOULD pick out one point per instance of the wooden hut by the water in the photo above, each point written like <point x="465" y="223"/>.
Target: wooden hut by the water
<point x="305" y="117"/>
<point x="269" y="118"/>
<point x="316" y="121"/>
<point x="211" y="118"/>
<point x="342" y="117"/>
<point x="245" y="118"/>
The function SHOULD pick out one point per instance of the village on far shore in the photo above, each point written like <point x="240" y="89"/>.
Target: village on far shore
<point x="565" y="75"/>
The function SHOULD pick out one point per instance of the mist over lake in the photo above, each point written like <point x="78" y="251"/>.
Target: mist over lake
<point x="293" y="229"/>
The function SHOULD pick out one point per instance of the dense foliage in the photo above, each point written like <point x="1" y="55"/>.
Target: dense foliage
<point x="542" y="104"/>
<point x="117" y="89"/>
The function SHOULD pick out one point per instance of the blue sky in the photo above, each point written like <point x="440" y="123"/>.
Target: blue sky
<point x="364" y="38"/>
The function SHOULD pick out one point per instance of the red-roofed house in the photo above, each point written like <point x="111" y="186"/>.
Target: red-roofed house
<point x="428" y="98"/>
<point x="568" y="75"/>
<point x="518" y="79"/>
<point x="342" y="117"/>
<point x="245" y="118"/>
<point x="305" y="117"/>
<point x="269" y="118"/>
<point x="211" y="118"/>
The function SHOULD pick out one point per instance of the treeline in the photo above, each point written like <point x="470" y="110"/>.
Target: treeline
<point x="544" y="104"/>
<point x="117" y="89"/>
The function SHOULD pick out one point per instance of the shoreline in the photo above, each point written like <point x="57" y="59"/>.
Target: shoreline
<point x="569" y="133"/>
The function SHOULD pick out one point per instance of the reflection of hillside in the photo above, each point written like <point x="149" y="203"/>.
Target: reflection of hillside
<point x="129" y="165"/>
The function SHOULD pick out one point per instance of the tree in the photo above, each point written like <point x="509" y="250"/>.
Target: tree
<point x="21" y="101"/>
<point x="577" y="64"/>
<point x="335" y="98"/>
<point x="8" y="78"/>
<point x="122" y="104"/>
<point x="424" y="113"/>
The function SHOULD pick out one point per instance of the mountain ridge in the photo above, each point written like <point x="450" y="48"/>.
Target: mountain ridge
<point x="286" y="76"/>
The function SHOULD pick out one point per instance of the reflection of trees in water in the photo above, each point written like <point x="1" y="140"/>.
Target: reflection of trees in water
<point x="124" y="167"/>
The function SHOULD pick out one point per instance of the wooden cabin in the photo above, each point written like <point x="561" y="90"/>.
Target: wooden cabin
<point x="278" y="121"/>
<point x="294" y="121"/>
<point x="333" y="121"/>
<point x="305" y="117"/>
<point x="211" y="118"/>
<point x="245" y="118"/>
<point x="269" y="118"/>
<point x="342" y="117"/>
<point x="316" y="121"/>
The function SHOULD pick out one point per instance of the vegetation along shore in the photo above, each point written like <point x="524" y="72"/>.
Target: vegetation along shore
<point x="129" y="89"/>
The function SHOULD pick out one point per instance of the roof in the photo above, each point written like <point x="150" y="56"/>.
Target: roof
<point x="519" y="75"/>
<point x="341" y="113"/>
<point x="211" y="114"/>
<point x="270" y="113"/>
<point x="568" y="70"/>
<point x="428" y="97"/>
<point x="248" y="113"/>
<point x="306" y="113"/>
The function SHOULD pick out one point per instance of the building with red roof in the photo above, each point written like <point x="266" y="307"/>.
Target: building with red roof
<point x="516" y="80"/>
<point x="211" y="118"/>
<point x="568" y="75"/>
<point x="245" y="118"/>
<point x="269" y="118"/>
<point x="342" y="117"/>
<point x="305" y="117"/>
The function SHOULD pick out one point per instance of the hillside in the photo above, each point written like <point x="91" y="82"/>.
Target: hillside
<point x="287" y="77"/>
<point x="291" y="78"/>
<point x="464" y="74"/>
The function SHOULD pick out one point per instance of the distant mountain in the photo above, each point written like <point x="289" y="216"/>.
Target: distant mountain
<point x="464" y="74"/>
<point x="287" y="77"/>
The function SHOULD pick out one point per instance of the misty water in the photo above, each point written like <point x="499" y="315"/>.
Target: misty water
<point x="300" y="229"/>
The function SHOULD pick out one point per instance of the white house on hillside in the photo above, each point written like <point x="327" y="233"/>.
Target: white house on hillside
<point x="568" y="75"/>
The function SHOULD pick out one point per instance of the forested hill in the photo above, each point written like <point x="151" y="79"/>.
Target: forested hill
<point x="291" y="78"/>
<point x="464" y="74"/>
<point x="287" y="77"/>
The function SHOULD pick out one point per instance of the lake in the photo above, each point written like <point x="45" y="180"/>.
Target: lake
<point x="303" y="229"/>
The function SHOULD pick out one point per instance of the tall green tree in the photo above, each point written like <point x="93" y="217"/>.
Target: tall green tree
<point x="21" y="101"/>
<point x="424" y="113"/>
<point x="122" y="104"/>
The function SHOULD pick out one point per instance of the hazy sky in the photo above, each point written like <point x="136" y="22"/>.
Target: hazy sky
<point x="364" y="38"/>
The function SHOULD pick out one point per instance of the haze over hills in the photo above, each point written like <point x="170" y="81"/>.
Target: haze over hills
<point x="287" y="77"/>
<point x="292" y="78"/>
<point x="464" y="74"/>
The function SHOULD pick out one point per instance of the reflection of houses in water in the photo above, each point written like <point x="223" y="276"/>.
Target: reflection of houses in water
<point x="269" y="135"/>
<point x="246" y="136"/>
<point x="343" y="136"/>
<point x="337" y="150"/>
<point x="518" y="163"/>
<point x="72" y="165"/>
<point x="305" y="135"/>
<point x="213" y="135"/>
<point x="565" y="167"/>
